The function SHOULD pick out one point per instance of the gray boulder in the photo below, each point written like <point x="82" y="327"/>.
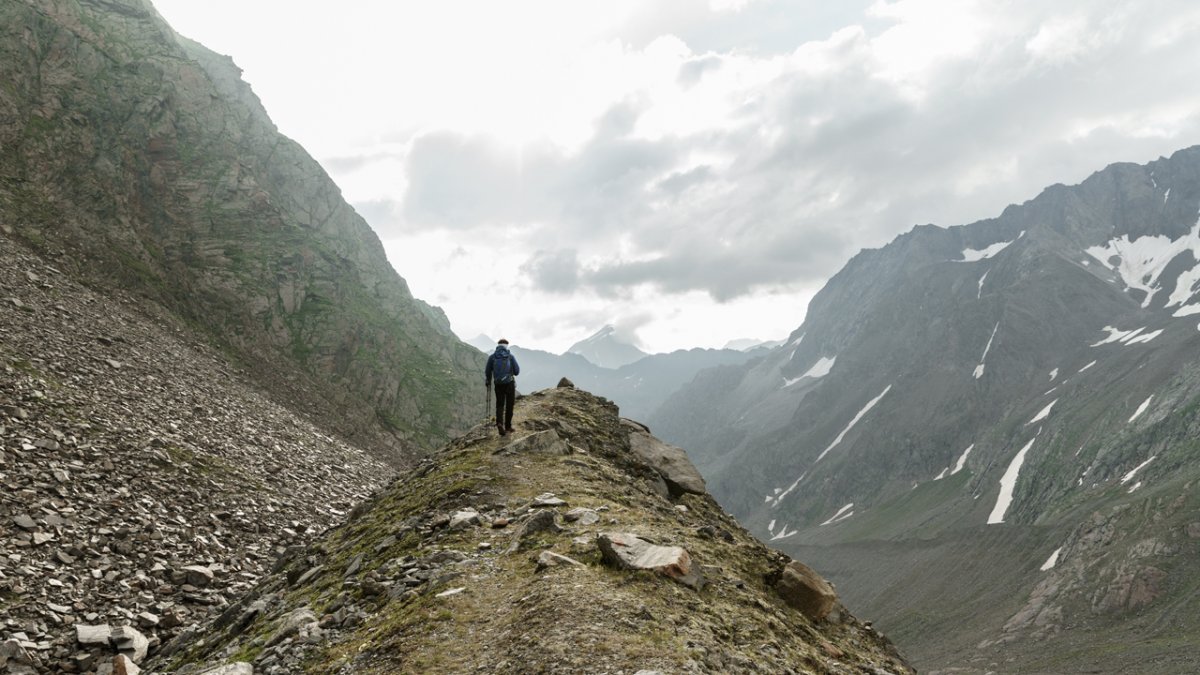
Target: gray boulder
<point x="630" y="552"/>
<point x="669" y="461"/>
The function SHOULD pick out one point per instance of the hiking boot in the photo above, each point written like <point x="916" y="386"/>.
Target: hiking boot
<point x="501" y="429"/>
<point x="508" y="429"/>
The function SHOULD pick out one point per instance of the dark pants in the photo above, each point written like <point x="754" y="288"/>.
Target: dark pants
<point x="506" y="396"/>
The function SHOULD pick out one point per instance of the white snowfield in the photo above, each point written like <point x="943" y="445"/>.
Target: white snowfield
<point x="1087" y="366"/>
<point x="867" y="408"/>
<point x="983" y="359"/>
<point x="783" y="533"/>
<point x="962" y="460"/>
<point x="1127" y="337"/>
<point x="1043" y="414"/>
<point x="1141" y="262"/>
<point x="1008" y="483"/>
<point x="1052" y="560"/>
<point x="1141" y="408"/>
<point x="977" y="254"/>
<point x="820" y="369"/>
<point x="1129" y="476"/>
<point x="838" y="517"/>
<point x="1053" y="374"/>
<point x="779" y="495"/>
<point x="979" y="294"/>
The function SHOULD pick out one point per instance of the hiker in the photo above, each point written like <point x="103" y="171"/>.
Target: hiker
<point x="502" y="367"/>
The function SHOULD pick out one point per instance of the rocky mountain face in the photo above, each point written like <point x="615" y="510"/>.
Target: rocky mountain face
<point x="142" y="161"/>
<point x="606" y="349"/>
<point x="147" y="483"/>
<point x="580" y="543"/>
<point x="987" y="432"/>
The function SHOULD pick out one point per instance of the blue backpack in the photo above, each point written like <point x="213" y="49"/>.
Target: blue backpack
<point x="502" y="368"/>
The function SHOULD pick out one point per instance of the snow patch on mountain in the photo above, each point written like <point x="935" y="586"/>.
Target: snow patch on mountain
<point x="838" y="517"/>
<point x="979" y="293"/>
<point x="1143" y="339"/>
<point x="1008" y="483"/>
<point x="1042" y="415"/>
<point x="867" y="408"/>
<point x="1053" y="374"/>
<point x="1187" y="310"/>
<point x="962" y="459"/>
<point x="1133" y="472"/>
<point x="780" y="495"/>
<point x="977" y="254"/>
<point x="983" y="359"/>
<point x="1141" y="408"/>
<point x="783" y="533"/>
<point x="1087" y="366"/>
<point x="1052" y="560"/>
<point x="1141" y="262"/>
<point x="821" y="368"/>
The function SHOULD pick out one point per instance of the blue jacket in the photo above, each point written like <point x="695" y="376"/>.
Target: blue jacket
<point x="501" y="350"/>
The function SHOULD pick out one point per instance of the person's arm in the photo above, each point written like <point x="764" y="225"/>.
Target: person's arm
<point x="516" y="366"/>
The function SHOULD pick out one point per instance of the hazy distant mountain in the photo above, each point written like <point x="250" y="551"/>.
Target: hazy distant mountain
<point x="639" y="388"/>
<point x="483" y="343"/>
<point x="746" y="344"/>
<point x="606" y="350"/>
<point x="987" y="433"/>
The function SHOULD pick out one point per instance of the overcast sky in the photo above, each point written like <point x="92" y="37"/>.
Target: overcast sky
<point x="694" y="171"/>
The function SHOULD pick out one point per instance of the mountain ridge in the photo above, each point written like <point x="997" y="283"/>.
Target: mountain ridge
<point x="1045" y="353"/>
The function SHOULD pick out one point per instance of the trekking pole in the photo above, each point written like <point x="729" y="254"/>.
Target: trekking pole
<point x="487" y="408"/>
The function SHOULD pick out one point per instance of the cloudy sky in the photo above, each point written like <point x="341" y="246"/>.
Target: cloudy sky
<point x="692" y="171"/>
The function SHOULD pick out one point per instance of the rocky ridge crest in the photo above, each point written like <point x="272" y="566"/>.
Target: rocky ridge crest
<point x="556" y="549"/>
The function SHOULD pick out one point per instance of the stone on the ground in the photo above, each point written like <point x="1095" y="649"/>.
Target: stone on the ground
<point x="630" y="552"/>
<point x="551" y="559"/>
<point x="582" y="516"/>
<point x="669" y="461"/>
<point x="547" y="499"/>
<point x="24" y="522"/>
<point x="130" y="642"/>
<point x="464" y="518"/>
<point x="92" y="635"/>
<point x="198" y="576"/>
<point x="292" y="624"/>
<point x="564" y="383"/>
<point x="805" y="590"/>
<point x="122" y="665"/>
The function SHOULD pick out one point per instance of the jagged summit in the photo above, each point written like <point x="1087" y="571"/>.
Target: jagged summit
<point x="606" y="349"/>
<point x="520" y="555"/>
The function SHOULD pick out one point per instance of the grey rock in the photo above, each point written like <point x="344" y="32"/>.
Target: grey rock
<point x="198" y="576"/>
<point x="628" y="551"/>
<point x="668" y="460"/>
<point x="93" y="635"/>
<point x="24" y="521"/>
<point x="564" y="383"/>
<point x="464" y="518"/>
<point x="291" y="625"/>
<point x="547" y="499"/>
<point x="582" y="516"/>
<point x="130" y="642"/>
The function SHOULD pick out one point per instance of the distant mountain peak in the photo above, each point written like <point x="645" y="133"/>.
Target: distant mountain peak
<point x="606" y="349"/>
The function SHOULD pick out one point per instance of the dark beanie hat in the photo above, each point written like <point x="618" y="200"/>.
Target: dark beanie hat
<point x="502" y="342"/>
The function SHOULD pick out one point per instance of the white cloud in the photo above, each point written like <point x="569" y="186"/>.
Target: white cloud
<point x="677" y="152"/>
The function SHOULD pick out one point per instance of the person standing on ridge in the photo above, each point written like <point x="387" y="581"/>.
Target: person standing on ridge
<point x="503" y="369"/>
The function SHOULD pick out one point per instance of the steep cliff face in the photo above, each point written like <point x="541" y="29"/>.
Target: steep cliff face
<point x="965" y="402"/>
<point x="579" y="544"/>
<point x="143" y="159"/>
